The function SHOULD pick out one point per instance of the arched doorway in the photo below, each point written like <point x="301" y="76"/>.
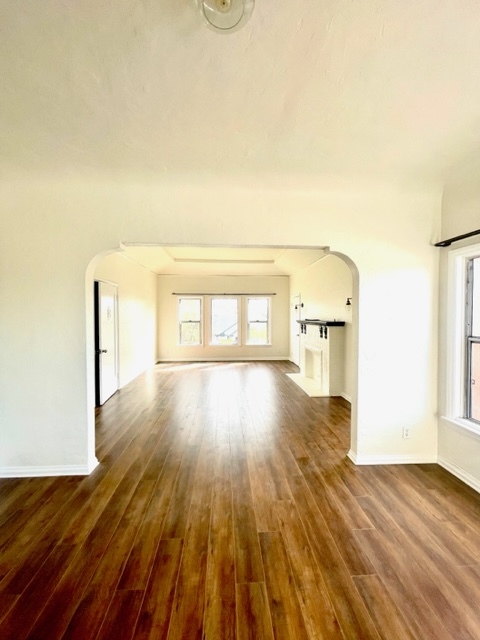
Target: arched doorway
<point x="335" y="308"/>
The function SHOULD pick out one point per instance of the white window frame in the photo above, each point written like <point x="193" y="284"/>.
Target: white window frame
<point x="179" y="323"/>
<point x="269" y="321"/>
<point x="456" y="389"/>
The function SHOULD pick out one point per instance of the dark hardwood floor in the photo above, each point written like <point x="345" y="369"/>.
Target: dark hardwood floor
<point x="225" y="507"/>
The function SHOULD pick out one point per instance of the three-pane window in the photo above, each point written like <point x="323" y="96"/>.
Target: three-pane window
<point x="224" y="320"/>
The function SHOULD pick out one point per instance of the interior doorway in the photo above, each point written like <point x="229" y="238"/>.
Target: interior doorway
<point x="295" y="315"/>
<point x="106" y="341"/>
<point x="180" y="260"/>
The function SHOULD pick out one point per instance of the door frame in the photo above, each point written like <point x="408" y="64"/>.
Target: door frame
<point x="295" y="314"/>
<point x="96" y="307"/>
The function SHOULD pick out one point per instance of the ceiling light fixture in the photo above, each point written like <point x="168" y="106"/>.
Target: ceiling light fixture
<point x="225" y="16"/>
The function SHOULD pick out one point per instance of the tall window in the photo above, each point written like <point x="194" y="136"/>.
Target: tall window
<point x="472" y="318"/>
<point x="190" y="321"/>
<point x="224" y="321"/>
<point x="258" y="321"/>
<point x="462" y="384"/>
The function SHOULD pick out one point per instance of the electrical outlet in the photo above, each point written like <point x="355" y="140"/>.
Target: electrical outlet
<point x="406" y="432"/>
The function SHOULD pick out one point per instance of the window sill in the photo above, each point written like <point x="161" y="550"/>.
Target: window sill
<point x="224" y="346"/>
<point x="251" y="344"/>
<point x="462" y="424"/>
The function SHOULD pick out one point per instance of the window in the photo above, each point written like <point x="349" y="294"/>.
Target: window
<point x="472" y="344"/>
<point x="190" y="321"/>
<point x="258" y="321"/>
<point x="463" y="335"/>
<point x="224" y="321"/>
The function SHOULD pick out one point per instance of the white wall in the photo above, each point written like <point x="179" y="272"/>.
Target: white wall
<point x="168" y="349"/>
<point x="137" y="313"/>
<point x="52" y="231"/>
<point x="458" y="448"/>
<point x="324" y="288"/>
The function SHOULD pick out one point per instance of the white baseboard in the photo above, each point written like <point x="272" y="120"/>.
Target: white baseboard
<point x="459" y="473"/>
<point x="48" y="471"/>
<point x="223" y="359"/>
<point x="391" y="459"/>
<point x="346" y="397"/>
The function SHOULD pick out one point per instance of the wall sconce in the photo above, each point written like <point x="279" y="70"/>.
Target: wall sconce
<point x="348" y="302"/>
<point x="225" y="16"/>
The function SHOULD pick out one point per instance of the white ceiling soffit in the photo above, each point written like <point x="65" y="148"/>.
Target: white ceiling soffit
<point x="306" y="88"/>
<point x="210" y="261"/>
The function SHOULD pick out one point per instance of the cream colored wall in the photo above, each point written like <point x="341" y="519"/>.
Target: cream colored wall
<point x="52" y="231"/>
<point x="324" y="288"/>
<point x="137" y="313"/>
<point x="168" y="349"/>
<point x="458" y="448"/>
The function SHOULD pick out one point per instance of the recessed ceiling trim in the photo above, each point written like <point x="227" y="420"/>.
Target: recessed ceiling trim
<point x="220" y="261"/>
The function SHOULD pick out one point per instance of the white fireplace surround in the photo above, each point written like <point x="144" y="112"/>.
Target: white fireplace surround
<point x="322" y="350"/>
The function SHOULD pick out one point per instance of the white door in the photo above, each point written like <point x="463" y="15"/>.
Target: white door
<point x="107" y="341"/>
<point x="295" y="314"/>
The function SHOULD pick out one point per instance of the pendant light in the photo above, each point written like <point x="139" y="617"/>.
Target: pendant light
<point x="225" y="16"/>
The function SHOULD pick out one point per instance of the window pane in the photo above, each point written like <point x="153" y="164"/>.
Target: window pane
<point x="475" y="381"/>
<point x="224" y="321"/>
<point x="257" y="333"/>
<point x="190" y="333"/>
<point x="476" y="298"/>
<point x="257" y="320"/>
<point x="189" y="309"/>
<point x="257" y="309"/>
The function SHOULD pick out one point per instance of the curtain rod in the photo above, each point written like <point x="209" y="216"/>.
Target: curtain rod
<point x="447" y="243"/>
<point x="223" y="294"/>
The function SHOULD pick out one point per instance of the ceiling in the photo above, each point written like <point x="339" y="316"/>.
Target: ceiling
<point x="223" y="261"/>
<point x="140" y="88"/>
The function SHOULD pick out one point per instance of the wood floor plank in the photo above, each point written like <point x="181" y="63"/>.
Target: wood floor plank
<point x="285" y="610"/>
<point x="56" y="616"/>
<point x="350" y="610"/>
<point x="253" y="613"/>
<point x="318" y="611"/>
<point x="90" y="613"/>
<point x="248" y="559"/>
<point x="7" y="601"/>
<point x="412" y="517"/>
<point x="220" y="603"/>
<point x="386" y="616"/>
<point x="86" y="517"/>
<point x="121" y="616"/>
<point x="393" y="567"/>
<point x="261" y="491"/>
<point x="156" y="609"/>
<point x="138" y="566"/>
<point x="23" y="552"/>
<point x="432" y="580"/>
<point x="176" y="518"/>
<point x="189" y="600"/>
<point x="340" y="523"/>
<point x="21" y="617"/>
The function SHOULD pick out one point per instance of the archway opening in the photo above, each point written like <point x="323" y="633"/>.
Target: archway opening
<point x="122" y="264"/>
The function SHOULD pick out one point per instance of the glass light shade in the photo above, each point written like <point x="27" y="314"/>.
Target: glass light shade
<point x="225" y="16"/>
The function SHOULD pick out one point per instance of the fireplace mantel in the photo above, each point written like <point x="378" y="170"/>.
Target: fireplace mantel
<point x="325" y="323"/>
